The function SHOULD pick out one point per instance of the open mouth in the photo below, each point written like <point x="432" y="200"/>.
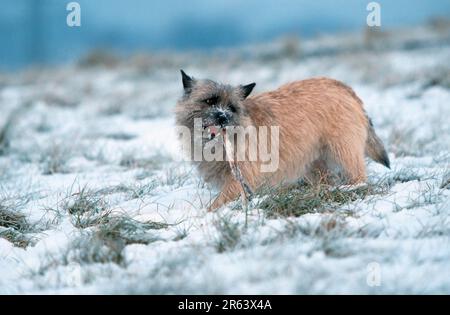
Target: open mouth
<point x="211" y="131"/>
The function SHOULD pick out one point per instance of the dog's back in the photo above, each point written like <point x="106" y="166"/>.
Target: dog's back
<point x="320" y="119"/>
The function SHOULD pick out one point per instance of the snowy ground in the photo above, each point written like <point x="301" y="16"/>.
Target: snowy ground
<point x="94" y="200"/>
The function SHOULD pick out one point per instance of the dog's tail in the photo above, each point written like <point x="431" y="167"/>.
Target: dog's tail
<point x="375" y="148"/>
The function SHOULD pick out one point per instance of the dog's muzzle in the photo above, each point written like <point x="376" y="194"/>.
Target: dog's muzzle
<point x="216" y="121"/>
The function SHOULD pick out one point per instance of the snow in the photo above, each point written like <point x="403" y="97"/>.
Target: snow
<point x="111" y="130"/>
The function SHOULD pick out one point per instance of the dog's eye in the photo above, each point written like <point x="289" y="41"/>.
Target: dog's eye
<point x="232" y="108"/>
<point x="212" y="100"/>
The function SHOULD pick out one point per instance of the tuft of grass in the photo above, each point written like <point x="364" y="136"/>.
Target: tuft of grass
<point x="403" y="142"/>
<point x="301" y="198"/>
<point x="104" y="244"/>
<point x="6" y="129"/>
<point x="404" y="175"/>
<point x="96" y="248"/>
<point x="109" y="190"/>
<point x="129" y="230"/>
<point x="176" y="178"/>
<point x="12" y="219"/>
<point x="4" y="139"/>
<point x="439" y="77"/>
<point x="120" y="136"/>
<point x="229" y="234"/>
<point x="142" y="190"/>
<point x="430" y="194"/>
<point x="445" y="181"/>
<point x="87" y="208"/>
<point x="13" y="225"/>
<point x="15" y="237"/>
<point x="107" y="243"/>
<point x="54" y="159"/>
<point x="112" y="109"/>
<point x="181" y="233"/>
<point x="154" y="162"/>
<point x="329" y="233"/>
<point x="132" y="191"/>
<point x="88" y="248"/>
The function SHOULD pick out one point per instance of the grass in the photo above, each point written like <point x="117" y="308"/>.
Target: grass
<point x="181" y="233"/>
<point x="401" y="142"/>
<point x="4" y="139"/>
<point x="404" y="175"/>
<point x="142" y="190"/>
<point x="95" y="248"/>
<point x="103" y="238"/>
<point x="120" y="136"/>
<point x="87" y="208"/>
<point x="107" y="242"/>
<point x="428" y="194"/>
<point x="287" y="201"/>
<point x="445" y="180"/>
<point x="154" y="162"/>
<point x="229" y="234"/>
<point x="54" y="159"/>
<point x="133" y="191"/>
<point x="299" y="199"/>
<point x="439" y="77"/>
<point x="176" y="177"/>
<point x="6" y="129"/>
<point x="129" y="230"/>
<point x="13" y="225"/>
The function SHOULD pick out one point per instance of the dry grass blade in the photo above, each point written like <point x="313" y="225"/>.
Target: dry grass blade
<point x="300" y="199"/>
<point x="13" y="226"/>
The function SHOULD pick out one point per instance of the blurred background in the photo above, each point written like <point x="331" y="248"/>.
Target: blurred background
<point x="35" y="32"/>
<point x="87" y="133"/>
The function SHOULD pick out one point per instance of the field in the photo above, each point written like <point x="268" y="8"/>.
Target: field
<point x="94" y="197"/>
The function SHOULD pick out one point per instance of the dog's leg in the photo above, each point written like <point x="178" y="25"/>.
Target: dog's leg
<point x="351" y="159"/>
<point x="230" y="191"/>
<point x="318" y="173"/>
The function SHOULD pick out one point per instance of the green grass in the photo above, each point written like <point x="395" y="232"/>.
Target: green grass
<point x="299" y="199"/>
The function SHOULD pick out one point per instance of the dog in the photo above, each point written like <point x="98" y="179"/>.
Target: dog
<point x="322" y="126"/>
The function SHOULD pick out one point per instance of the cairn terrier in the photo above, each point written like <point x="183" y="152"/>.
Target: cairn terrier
<point x="322" y="127"/>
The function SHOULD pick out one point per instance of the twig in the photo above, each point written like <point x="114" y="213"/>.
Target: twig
<point x="245" y="189"/>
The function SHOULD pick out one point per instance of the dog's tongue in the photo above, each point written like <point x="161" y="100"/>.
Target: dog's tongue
<point x="213" y="130"/>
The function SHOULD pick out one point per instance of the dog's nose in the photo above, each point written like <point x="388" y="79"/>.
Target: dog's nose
<point x="221" y="118"/>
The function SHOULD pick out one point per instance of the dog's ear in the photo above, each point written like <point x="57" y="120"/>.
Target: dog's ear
<point x="247" y="89"/>
<point x="188" y="82"/>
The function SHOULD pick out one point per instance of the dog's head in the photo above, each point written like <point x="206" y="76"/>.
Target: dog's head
<point x="217" y="105"/>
